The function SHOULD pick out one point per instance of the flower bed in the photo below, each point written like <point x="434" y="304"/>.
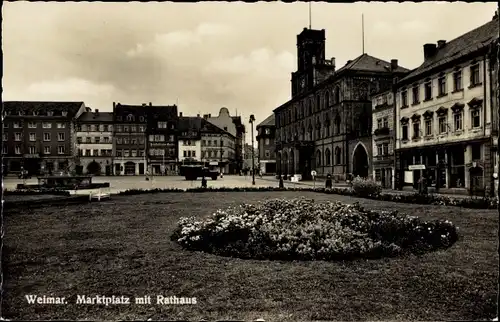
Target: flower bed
<point x="300" y="229"/>
<point x="415" y="198"/>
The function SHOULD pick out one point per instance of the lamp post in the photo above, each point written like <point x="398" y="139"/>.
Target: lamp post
<point x="252" y="119"/>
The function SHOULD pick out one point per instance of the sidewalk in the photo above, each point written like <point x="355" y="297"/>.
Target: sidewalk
<point x="321" y="184"/>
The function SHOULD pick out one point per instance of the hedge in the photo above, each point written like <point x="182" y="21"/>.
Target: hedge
<point x="414" y="198"/>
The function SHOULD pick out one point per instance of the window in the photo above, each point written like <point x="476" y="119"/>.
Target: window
<point x="404" y="132"/>
<point x="119" y="153"/>
<point x="428" y="90"/>
<point x="457" y="80"/>
<point x="476" y="152"/>
<point x="130" y="117"/>
<point x="97" y="139"/>
<point x="17" y="136"/>
<point x="443" y="126"/>
<point x="442" y="85"/>
<point x="416" y="130"/>
<point x="385" y="122"/>
<point x="141" y="153"/>
<point x="32" y="125"/>
<point x="133" y="128"/>
<point x="126" y="153"/>
<point x="4" y="149"/>
<point x="267" y="141"/>
<point x="32" y="137"/>
<point x="193" y="154"/>
<point x="379" y="123"/>
<point x="475" y="118"/>
<point x="5" y="125"/>
<point x="474" y="75"/>
<point x="17" y="149"/>
<point x="31" y="150"/>
<point x="95" y="152"/>
<point x="61" y="125"/>
<point x="80" y="152"/>
<point x="416" y="94"/>
<point x="457" y="120"/>
<point x="125" y="128"/>
<point x="379" y="149"/>
<point x="185" y="154"/>
<point x="4" y="137"/>
<point x="338" y="156"/>
<point x="64" y="113"/>
<point x="119" y="118"/>
<point x="106" y="139"/>
<point x="88" y="140"/>
<point x="50" y="113"/>
<point x="133" y="153"/>
<point x="47" y="125"/>
<point x="60" y="136"/>
<point x="404" y="98"/>
<point x="428" y="127"/>
<point x="84" y="128"/>
<point x="385" y="148"/>
<point x="106" y="128"/>
<point x="268" y="131"/>
<point x="17" y="125"/>
<point x="141" y="118"/>
<point x="78" y="139"/>
<point x="60" y="149"/>
<point x="46" y="150"/>
<point x="162" y="125"/>
<point x="142" y="128"/>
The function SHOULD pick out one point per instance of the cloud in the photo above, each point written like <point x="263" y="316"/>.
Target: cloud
<point x="262" y="61"/>
<point x="180" y="39"/>
<point x="71" y="87"/>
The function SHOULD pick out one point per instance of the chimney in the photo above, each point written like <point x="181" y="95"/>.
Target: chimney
<point x="209" y="115"/>
<point x="197" y="115"/>
<point x="441" y="44"/>
<point x="394" y="64"/>
<point x="429" y="50"/>
<point x="114" y="105"/>
<point x="180" y="114"/>
<point x="96" y="111"/>
<point x="496" y="15"/>
<point x="333" y="62"/>
<point x="150" y="104"/>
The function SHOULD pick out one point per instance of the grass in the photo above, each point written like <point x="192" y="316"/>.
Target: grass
<point x="122" y="247"/>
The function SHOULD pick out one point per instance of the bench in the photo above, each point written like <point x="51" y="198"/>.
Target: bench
<point x="101" y="194"/>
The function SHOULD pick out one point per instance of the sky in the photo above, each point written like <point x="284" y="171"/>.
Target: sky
<point x="203" y="56"/>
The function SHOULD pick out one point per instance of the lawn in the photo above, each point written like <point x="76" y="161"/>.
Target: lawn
<point x="122" y="247"/>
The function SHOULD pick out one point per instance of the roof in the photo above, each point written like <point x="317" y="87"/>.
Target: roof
<point x="457" y="48"/>
<point x="208" y="127"/>
<point x="28" y="107"/>
<point x="170" y="110"/>
<point x="269" y="121"/>
<point x="367" y="63"/>
<point x="187" y="123"/>
<point x="96" y="117"/>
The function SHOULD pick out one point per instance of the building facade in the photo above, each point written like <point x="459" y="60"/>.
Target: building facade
<point x="40" y="137"/>
<point x="266" y="146"/>
<point x="251" y="155"/>
<point x="234" y="126"/>
<point x="161" y="138"/>
<point x="129" y="139"/>
<point x="218" y="148"/>
<point x="445" y="120"/>
<point x="383" y="138"/>
<point x="326" y="125"/>
<point x="189" y="139"/>
<point x="95" y="143"/>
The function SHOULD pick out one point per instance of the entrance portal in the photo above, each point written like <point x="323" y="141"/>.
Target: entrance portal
<point x="360" y="162"/>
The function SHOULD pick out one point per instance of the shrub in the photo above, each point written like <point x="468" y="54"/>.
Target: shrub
<point x="366" y="187"/>
<point x="300" y="229"/>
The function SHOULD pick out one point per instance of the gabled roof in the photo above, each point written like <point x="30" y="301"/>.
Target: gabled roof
<point x="457" y="48"/>
<point x="269" y="121"/>
<point x="367" y="63"/>
<point x="105" y="117"/>
<point x="208" y="127"/>
<point x="28" y="107"/>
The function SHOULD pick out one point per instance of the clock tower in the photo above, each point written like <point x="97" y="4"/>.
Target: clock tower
<point x="310" y="52"/>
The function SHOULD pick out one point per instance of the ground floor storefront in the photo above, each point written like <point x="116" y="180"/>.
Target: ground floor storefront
<point x="465" y="167"/>
<point x="38" y="166"/>
<point x="129" y="166"/>
<point x="268" y="167"/>
<point x="163" y="167"/>
<point x="383" y="171"/>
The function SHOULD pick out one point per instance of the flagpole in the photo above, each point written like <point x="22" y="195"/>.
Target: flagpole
<point x="310" y="16"/>
<point x="363" y="32"/>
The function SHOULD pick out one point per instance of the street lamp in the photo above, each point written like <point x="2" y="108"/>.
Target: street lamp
<point x="252" y="119"/>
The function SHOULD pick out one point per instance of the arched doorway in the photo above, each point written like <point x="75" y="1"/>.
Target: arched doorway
<point x="129" y="168"/>
<point x="476" y="177"/>
<point x="94" y="168"/>
<point x="292" y="162"/>
<point x="360" y="161"/>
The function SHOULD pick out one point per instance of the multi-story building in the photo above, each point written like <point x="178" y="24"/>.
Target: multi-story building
<point x="218" y="147"/>
<point x="266" y="145"/>
<point x="129" y="136"/>
<point x="251" y="154"/>
<point x="326" y="125"/>
<point x="234" y="126"/>
<point x="189" y="139"/>
<point x="40" y="137"/>
<point x="383" y="138"/>
<point x="95" y="143"/>
<point x="161" y="139"/>
<point x="444" y="115"/>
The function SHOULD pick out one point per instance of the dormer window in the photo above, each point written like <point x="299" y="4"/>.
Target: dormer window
<point x="35" y="113"/>
<point x="50" y="113"/>
<point x="64" y="113"/>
